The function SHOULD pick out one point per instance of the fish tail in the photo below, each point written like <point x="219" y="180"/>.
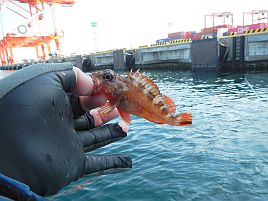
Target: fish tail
<point x="184" y="119"/>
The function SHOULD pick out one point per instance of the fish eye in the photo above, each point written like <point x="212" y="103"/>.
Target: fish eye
<point x="108" y="77"/>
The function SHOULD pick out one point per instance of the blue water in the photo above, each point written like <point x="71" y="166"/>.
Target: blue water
<point x="222" y="156"/>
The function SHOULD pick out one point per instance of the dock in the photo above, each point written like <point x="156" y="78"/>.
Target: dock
<point x="236" y="52"/>
<point x="229" y="52"/>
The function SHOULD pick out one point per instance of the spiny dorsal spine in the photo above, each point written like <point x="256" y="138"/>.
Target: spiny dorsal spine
<point x="149" y="88"/>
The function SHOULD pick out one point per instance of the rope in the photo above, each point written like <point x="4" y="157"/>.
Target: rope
<point x="256" y="94"/>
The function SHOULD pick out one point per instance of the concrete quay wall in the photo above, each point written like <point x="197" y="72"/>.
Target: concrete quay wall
<point x="177" y="53"/>
<point x="102" y="59"/>
<point x="256" y="47"/>
<point x="227" y="53"/>
<point x="248" y="51"/>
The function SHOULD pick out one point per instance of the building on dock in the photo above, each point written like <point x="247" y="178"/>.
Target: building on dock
<point x="217" y="48"/>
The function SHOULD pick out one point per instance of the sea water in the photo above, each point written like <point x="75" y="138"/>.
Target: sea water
<point x="223" y="155"/>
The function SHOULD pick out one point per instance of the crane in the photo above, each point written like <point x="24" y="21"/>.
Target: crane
<point x="261" y="15"/>
<point x="223" y="15"/>
<point x="35" y="11"/>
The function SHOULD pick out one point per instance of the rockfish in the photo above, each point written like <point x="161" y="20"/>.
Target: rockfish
<point x="138" y="95"/>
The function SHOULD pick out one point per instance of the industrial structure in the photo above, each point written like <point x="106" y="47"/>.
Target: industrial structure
<point x="31" y="11"/>
<point x="217" y="48"/>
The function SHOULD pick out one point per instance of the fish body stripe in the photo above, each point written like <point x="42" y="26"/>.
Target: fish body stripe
<point x="148" y="87"/>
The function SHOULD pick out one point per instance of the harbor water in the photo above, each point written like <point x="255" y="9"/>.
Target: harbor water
<point x="223" y="155"/>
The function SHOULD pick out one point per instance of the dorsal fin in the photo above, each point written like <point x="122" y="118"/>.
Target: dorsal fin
<point x="144" y="83"/>
<point x="170" y="104"/>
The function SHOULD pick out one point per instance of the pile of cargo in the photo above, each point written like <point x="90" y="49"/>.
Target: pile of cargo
<point x="212" y="32"/>
<point x="181" y="35"/>
<point x="242" y="29"/>
<point x="176" y="36"/>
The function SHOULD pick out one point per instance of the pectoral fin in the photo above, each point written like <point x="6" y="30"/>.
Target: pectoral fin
<point x="106" y="109"/>
<point x="125" y="116"/>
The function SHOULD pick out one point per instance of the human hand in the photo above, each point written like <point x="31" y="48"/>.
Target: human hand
<point x="43" y="140"/>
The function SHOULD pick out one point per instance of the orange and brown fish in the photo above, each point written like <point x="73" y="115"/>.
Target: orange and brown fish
<point x="138" y="95"/>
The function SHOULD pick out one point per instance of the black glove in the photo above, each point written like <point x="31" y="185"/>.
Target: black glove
<point x="42" y="145"/>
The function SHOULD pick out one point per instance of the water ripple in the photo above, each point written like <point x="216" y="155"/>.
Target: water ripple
<point x="222" y="156"/>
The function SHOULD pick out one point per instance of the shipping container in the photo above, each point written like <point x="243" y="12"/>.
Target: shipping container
<point x="163" y="40"/>
<point x="216" y="28"/>
<point x="212" y="34"/>
<point x="197" y="36"/>
<point x="208" y="30"/>
<point x="243" y="29"/>
<point x="258" y="26"/>
<point x="176" y="37"/>
<point x="181" y="35"/>
<point x="225" y="26"/>
<point x="233" y="30"/>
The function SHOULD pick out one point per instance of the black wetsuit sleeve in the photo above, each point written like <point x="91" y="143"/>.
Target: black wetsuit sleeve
<point x="39" y="143"/>
<point x="68" y="80"/>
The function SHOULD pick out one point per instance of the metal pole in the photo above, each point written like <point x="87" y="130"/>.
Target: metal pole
<point x="43" y="51"/>
<point x="54" y="20"/>
<point x="213" y="19"/>
<point x="7" y="56"/>
<point x="37" y="51"/>
<point x="11" y="55"/>
<point x="30" y="8"/>
<point x="243" y="18"/>
<point x="18" y="6"/>
<point x="1" y="57"/>
<point x="2" y="20"/>
<point x="252" y="17"/>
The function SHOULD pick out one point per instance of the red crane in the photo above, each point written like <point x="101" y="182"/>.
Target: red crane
<point x="37" y="41"/>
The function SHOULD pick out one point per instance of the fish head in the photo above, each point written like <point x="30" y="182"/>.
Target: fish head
<point x="108" y="83"/>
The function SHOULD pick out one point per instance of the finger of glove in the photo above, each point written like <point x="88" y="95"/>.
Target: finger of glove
<point x="68" y="80"/>
<point x="106" y="162"/>
<point x="99" y="137"/>
<point x="85" y="122"/>
<point x="77" y="109"/>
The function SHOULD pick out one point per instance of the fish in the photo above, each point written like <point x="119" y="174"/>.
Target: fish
<point x="136" y="94"/>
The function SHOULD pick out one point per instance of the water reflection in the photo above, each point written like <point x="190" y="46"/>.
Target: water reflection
<point x="222" y="156"/>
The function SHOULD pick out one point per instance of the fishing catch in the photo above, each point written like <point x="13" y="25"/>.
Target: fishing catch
<point x="138" y="95"/>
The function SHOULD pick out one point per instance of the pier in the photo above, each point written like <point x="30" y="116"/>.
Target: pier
<point x="218" y="48"/>
<point x="239" y="52"/>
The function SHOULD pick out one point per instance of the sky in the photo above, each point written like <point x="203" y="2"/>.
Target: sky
<point x="129" y="24"/>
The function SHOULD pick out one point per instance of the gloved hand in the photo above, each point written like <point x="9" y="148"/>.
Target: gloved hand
<point x="43" y="138"/>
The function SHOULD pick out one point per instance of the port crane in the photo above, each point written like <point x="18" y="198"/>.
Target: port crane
<point x="30" y="10"/>
<point x="222" y="15"/>
<point x="256" y="15"/>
